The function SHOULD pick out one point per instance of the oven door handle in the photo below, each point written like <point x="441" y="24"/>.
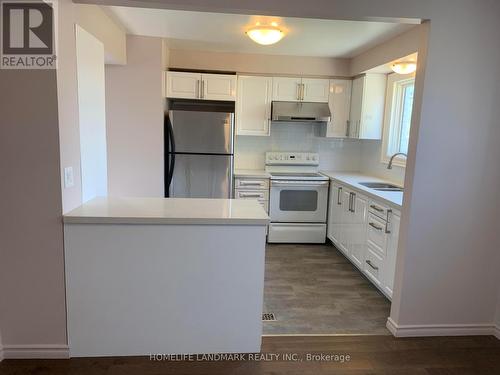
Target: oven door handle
<point x="299" y="183"/>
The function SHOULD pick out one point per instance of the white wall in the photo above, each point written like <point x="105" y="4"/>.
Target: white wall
<point x="92" y="114"/>
<point x="400" y="46"/>
<point x="67" y="96"/>
<point x="135" y="120"/>
<point x="258" y="63"/>
<point x="111" y="33"/>
<point x="335" y="154"/>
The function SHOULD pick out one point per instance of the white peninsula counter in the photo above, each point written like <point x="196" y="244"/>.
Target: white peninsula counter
<point x="154" y="275"/>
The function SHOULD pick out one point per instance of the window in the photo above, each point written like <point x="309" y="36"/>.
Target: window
<point x="399" y="104"/>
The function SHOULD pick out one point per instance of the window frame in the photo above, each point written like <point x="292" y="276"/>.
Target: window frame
<point x="394" y="94"/>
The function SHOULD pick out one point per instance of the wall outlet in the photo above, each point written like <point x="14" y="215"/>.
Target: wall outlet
<point x="68" y="177"/>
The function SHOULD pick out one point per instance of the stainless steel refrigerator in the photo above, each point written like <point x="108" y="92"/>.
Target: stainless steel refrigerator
<point x="199" y="149"/>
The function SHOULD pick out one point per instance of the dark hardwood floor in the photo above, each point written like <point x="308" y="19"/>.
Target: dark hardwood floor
<point x="314" y="289"/>
<point x="373" y="355"/>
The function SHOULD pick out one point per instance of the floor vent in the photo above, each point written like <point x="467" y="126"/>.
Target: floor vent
<point x="268" y="317"/>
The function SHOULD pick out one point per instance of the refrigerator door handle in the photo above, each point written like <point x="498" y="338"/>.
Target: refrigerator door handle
<point x="171" y="167"/>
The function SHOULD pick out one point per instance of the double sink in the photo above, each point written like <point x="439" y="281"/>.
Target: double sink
<point x="381" y="186"/>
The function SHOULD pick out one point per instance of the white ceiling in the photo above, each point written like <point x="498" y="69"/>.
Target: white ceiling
<point x="226" y="32"/>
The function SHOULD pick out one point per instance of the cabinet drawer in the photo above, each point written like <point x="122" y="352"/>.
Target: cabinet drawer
<point x="378" y="209"/>
<point x="373" y="266"/>
<point x="376" y="233"/>
<point x="251" y="194"/>
<point x="252" y="183"/>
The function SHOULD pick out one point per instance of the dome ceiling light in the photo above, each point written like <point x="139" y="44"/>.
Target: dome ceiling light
<point x="265" y="34"/>
<point x="404" y="67"/>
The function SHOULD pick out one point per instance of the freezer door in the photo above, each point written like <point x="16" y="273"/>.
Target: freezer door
<point x="202" y="132"/>
<point x="202" y="176"/>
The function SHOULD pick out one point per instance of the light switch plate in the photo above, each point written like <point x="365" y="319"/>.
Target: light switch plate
<point x="68" y="177"/>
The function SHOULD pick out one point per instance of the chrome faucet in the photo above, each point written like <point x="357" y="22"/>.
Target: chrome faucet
<point x="389" y="166"/>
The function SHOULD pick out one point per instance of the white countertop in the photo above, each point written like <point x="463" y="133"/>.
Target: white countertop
<point x="353" y="179"/>
<point x="168" y="211"/>
<point x="252" y="173"/>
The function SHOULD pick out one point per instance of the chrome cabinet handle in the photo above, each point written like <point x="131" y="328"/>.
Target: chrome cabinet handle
<point x="298" y="91"/>
<point x="202" y="89"/>
<point x="353" y="204"/>
<point x="249" y="195"/>
<point x="250" y="183"/>
<point x="373" y="225"/>
<point x="303" y="90"/>
<point x="347" y="128"/>
<point x="371" y="265"/>
<point x="339" y="191"/>
<point x="198" y="87"/>
<point x="388" y="221"/>
<point x="377" y="208"/>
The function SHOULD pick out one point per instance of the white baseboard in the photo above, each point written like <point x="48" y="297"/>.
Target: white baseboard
<point x="497" y="332"/>
<point x="35" y="351"/>
<point x="441" y="330"/>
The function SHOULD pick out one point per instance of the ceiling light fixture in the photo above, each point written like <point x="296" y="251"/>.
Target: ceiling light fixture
<point x="265" y="34"/>
<point x="404" y="67"/>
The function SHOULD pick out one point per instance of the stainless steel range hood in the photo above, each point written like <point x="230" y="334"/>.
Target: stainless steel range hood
<point x="300" y="112"/>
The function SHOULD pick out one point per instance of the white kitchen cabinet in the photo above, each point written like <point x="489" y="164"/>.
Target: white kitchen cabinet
<point x="367" y="106"/>
<point x="339" y="102"/>
<point x="183" y="85"/>
<point x="219" y="86"/>
<point x="366" y="232"/>
<point x="188" y="85"/>
<point x="347" y="222"/>
<point x="296" y="89"/>
<point x="252" y="188"/>
<point x="253" y="105"/>
<point x="287" y="89"/>
<point x="335" y="215"/>
<point x="357" y="221"/>
<point x="315" y="90"/>
<point x="392" y="248"/>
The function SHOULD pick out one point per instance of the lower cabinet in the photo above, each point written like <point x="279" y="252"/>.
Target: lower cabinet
<point x="252" y="188"/>
<point x="366" y="231"/>
<point x="347" y="222"/>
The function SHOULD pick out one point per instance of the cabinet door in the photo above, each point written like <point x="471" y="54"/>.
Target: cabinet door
<point x="253" y="106"/>
<point x="345" y="226"/>
<point x="335" y="214"/>
<point x="392" y="248"/>
<point x="372" y="108"/>
<point x="183" y="85"/>
<point x="339" y="102"/>
<point x="356" y="106"/>
<point x="219" y="87"/>
<point x="315" y="90"/>
<point x="357" y="243"/>
<point x="286" y="89"/>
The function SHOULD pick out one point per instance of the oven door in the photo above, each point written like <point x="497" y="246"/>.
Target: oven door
<point x="298" y="201"/>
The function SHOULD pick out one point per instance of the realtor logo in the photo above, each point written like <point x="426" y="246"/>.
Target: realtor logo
<point x="28" y="35"/>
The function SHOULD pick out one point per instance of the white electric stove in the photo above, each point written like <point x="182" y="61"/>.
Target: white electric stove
<point x="299" y="198"/>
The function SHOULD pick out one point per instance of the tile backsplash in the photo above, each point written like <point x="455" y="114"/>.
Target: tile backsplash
<point x="335" y="154"/>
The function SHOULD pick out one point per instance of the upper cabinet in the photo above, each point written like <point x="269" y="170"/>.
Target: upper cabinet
<point x="253" y="105"/>
<point x="298" y="89"/>
<point x="287" y="89"/>
<point x="315" y="90"/>
<point x="183" y="85"/>
<point x="367" y="106"/>
<point x="186" y="85"/>
<point x="339" y="103"/>
<point x="219" y="86"/>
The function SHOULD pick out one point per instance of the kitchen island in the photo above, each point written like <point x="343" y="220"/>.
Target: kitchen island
<point x="154" y="275"/>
